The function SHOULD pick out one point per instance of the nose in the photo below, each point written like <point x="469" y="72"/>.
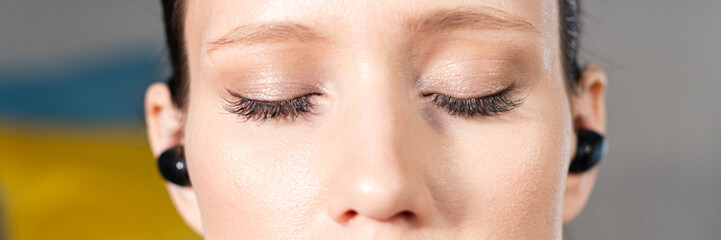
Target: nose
<point x="379" y="170"/>
<point x="379" y="192"/>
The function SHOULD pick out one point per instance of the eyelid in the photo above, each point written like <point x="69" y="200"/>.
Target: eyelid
<point x="500" y="89"/>
<point x="251" y="109"/>
<point x="492" y="104"/>
<point x="243" y="97"/>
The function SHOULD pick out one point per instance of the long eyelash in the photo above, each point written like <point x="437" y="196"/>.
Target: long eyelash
<point x="483" y="106"/>
<point x="249" y="109"/>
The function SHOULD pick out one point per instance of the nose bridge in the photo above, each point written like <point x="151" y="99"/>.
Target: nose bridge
<point x="378" y="99"/>
<point x="377" y="113"/>
<point x="377" y="176"/>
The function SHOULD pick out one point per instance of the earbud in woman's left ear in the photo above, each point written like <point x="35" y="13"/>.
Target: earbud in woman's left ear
<point x="589" y="151"/>
<point x="171" y="164"/>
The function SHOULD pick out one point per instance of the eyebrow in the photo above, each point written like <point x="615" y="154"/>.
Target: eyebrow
<point x="469" y="17"/>
<point x="267" y="33"/>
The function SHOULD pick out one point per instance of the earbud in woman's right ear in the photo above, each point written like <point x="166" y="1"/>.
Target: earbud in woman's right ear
<point x="171" y="164"/>
<point x="589" y="151"/>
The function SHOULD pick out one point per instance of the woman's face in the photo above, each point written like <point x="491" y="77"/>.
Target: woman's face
<point x="399" y="119"/>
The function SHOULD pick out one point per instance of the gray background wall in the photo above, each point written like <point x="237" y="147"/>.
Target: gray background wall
<point x="662" y="176"/>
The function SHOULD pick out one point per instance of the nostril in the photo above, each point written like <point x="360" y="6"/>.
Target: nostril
<point x="407" y="214"/>
<point x="348" y="215"/>
<point x="351" y="214"/>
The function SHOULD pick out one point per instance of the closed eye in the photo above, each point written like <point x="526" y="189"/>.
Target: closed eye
<point x="251" y="109"/>
<point x="494" y="104"/>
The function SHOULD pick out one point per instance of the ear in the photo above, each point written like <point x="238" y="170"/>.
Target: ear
<point x="165" y="130"/>
<point x="589" y="112"/>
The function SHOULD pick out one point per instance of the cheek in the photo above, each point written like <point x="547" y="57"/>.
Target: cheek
<point x="250" y="178"/>
<point x="511" y="168"/>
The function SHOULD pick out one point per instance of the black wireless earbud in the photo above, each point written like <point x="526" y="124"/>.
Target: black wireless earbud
<point x="171" y="164"/>
<point x="589" y="151"/>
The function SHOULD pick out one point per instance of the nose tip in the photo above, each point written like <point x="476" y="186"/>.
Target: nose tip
<point x="382" y="200"/>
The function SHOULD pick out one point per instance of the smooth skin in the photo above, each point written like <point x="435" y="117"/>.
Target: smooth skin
<point x="375" y="159"/>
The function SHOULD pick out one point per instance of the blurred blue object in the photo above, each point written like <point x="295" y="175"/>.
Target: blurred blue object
<point x="101" y="88"/>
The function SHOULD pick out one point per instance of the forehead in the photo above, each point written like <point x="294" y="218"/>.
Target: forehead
<point x="209" y="20"/>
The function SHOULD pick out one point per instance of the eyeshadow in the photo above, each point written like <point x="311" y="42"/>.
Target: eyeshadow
<point x="473" y="68"/>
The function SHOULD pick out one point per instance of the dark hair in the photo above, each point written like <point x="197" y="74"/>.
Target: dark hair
<point x="174" y="14"/>
<point x="570" y="34"/>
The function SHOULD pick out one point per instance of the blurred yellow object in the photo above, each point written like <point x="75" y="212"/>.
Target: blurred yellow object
<point x="62" y="182"/>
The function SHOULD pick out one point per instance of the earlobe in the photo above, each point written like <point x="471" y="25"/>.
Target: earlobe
<point x="165" y="126"/>
<point x="186" y="203"/>
<point x="589" y="115"/>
